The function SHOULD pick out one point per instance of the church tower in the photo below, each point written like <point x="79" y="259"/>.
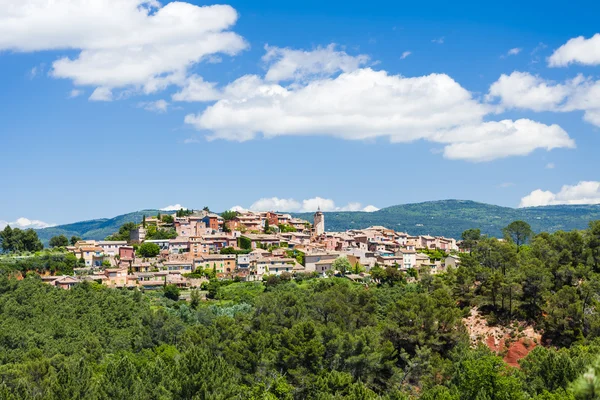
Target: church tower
<point x="319" y="223"/>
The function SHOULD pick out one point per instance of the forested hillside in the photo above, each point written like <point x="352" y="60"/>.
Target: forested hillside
<point x="304" y="338"/>
<point x="96" y="229"/>
<point x="444" y="218"/>
<point x="452" y="217"/>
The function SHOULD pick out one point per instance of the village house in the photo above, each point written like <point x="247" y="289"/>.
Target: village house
<point x="180" y="244"/>
<point x="63" y="282"/>
<point x="92" y="255"/>
<point x="222" y="263"/>
<point x="261" y="240"/>
<point x="214" y="222"/>
<point x="243" y="261"/>
<point x="311" y="259"/>
<point x="216" y="242"/>
<point x="111" y="247"/>
<point x="258" y="253"/>
<point x="299" y="224"/>
<point x="273" y="266"/>
<point x="323" y="266"/>
<point x="409" y="258"/>
<point x="183" y="267"/>
<point x="390" y="260"/>
<point x="142" y="266"/>
<point x="452" y="261"/>
<point x="116" y="277"/>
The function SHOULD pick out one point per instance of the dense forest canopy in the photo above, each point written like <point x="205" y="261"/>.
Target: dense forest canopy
<point x="306" y="338"/>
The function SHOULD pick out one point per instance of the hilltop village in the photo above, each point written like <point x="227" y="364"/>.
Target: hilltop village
<point x="187" y="248"/>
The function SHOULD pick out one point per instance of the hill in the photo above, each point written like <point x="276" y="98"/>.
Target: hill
<point x="96" y="229"/>
<point x="452" y="217"/>
<point x="445" y="218"/>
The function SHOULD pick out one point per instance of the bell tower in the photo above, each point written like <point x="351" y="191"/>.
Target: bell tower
<point x="319" y="222"/>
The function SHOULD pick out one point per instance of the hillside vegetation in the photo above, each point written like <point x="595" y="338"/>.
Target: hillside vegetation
<point x="440" y="218"/>
<point x="392" y="338"/>
<point x="452" y="217"/>
<point x="96" y="229"/>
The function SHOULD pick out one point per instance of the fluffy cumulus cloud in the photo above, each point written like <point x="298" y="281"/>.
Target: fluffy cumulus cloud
<point x="585" y="192"/>
<point x="289" y="64"/>
<point x="173" y="207"/>
<point x="307" y="205"/>
<point x="514" y="51"/>
<point x="197" y="89"/>
<point x="275" y="204"/>
<point x="363" y="103"/>
<point x="526" y="91"/>
<point x="487" y="141"/>
<point x="25" y="223"/>
<point x="120" y="43"/>
<point x="578" y="50"/>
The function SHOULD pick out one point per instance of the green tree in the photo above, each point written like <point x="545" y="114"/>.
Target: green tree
<point x="593" y="243"/>
<point x="147" y="249"/>
<point x="229" y="215"/>
<point x="124" y="232"/>
<point x="470" y="238"/>
<point x="341" y="264"/>
<point x="195" y="298"/>
<point x="266" y="228"/>
<point x="6" y="239"/>
<point x="74" y="239"/>
<point x="59" y="241"/>
<point x="171" y="292"/>
<point x="519" y="232"/>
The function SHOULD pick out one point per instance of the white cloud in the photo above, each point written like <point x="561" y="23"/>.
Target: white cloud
<point x="438" y="40"/>
<point x="585" y="192"/>
<point x="275" y="204"/>
<point x="197" y="89"/>
<point x="75" y="93"/>
<point x="523" y="90"/>
<point x="25" y="223"/>
<point x="405" y="54"/>
<point x="578" y="50"/>
<point x="491" y="140"/>
<point x="238" y="209"/>
<point x="101" y="94"/>
<point x="159" y="106"/>
<point x="174" y="207"/>
<point x="370" y="208"/>
<point x="364" y="104"/>
<point x="289" y="64"/>
<point x="505" y="185"/>
<point x="307" y="205"/>
<point x="120" y="43"/>
<point x="514" y="51"/>
<point x="526" y="91"/>
<point x="550" y="165"/>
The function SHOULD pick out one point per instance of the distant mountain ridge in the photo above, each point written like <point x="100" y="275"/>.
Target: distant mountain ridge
<point x="439" y="218"/>
<point x="452" y="217"/>
<point x="95" y="229"/>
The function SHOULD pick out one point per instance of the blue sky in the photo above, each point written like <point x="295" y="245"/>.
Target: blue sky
<point x="377" y="103"/>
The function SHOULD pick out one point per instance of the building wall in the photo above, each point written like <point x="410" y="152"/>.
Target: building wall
<point x="319" y="223"/>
